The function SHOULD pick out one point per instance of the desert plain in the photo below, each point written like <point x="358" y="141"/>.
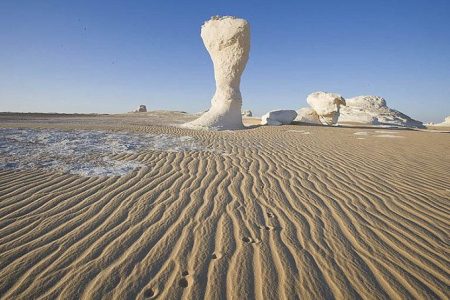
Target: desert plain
<point x="285" y="212"/>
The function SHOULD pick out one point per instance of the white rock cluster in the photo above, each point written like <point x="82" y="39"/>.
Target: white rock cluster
<point x="324" y="110"/>
<point x="446" y="123"/>
<point x="373" y="110"/>
<point x="330" y="108"/>
<point x="279" y="117"/>
<point x="227" y="40"/>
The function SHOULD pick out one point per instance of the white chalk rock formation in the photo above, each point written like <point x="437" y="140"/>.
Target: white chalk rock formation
<point x="142" y="108"/>
<point x="373" y="110"/>
<point x="446" y="123"/>
<point x="278" y="117"/>
<point x="247" y="113"/>
<point x="326" y="105"/>
<point x="307" y="115"/>
<point x="227" y="40"/>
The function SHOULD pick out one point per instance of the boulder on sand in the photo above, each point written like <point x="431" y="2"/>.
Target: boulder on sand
<point x="142" y="108"/>
<point x="373" y="110"/>
<point x="326" y="105"/>
<point x="307" y="115"/>
<point x="247" y="113"/>
<point x="278" y="117"/>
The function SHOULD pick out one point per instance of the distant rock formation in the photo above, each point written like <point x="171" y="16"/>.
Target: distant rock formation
<point x="247" y="113"/>
<point x="278" y="117"/>
<point x="307" y="115"/>
<point x="446" y="123"/>
<point x="326" y="105"/>
<point x="373" y="110"/>
<point x="227" y="40"/>
<point x="142" y="108"/>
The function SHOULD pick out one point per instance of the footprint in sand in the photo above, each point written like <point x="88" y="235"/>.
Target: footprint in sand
<point x="267" y="227"/>
<point x="183" y="283"/>
<point x="149" y="293"/>
<point x="247" y="239"/>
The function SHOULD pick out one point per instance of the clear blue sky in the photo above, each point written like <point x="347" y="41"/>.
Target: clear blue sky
<point x="111" y="56"/>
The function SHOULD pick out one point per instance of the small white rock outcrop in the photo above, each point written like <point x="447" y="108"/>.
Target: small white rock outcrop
<point x="227" y="40"/>
<point x="278" y="117"/>
<point x="142" y="108"/>
<point x="247" y="113"/>
<point x="307" y="115"/>
<point x="326" y="105"/>
<point x="373" y="110"/>
<point x="446" y="123"/>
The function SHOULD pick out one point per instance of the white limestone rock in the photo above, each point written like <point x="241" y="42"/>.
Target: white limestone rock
<point x="373" y="110"/>
<point x="278" y="117"/>
<point x="326" y="105"/>
<point x="446" y="123"/>
<point x="307" y="115"/>
<point x="227" y="40"/>
<point x="247" y="113"/>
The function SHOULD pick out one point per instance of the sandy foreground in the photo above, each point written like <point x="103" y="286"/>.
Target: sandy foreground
<point x="268" y="213"/>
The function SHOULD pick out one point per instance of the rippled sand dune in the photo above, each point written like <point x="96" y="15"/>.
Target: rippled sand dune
<point x="272" y="213"/>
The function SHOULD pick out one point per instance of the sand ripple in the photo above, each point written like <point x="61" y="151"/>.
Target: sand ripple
<point x="284" y="216"/>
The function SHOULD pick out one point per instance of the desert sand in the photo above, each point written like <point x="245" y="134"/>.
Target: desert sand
<point x="286" y="212"/>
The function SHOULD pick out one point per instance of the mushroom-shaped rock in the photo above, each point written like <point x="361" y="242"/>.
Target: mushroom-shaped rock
<point x="373" y="110"/>
<point x="142" y="108"/>
<point x="326" y="105"/>
<point x="278" y="117"/>
<point x="307" y="115"/>
<point x="247" y="113"/>
<point x="227" y="40"/>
